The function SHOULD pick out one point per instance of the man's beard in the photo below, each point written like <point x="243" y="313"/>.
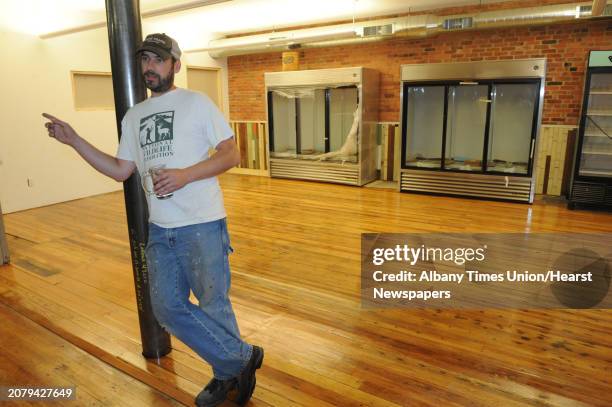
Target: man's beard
<point x="163" y="84"/>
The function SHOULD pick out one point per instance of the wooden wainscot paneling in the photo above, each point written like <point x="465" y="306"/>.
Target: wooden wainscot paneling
<point x="553" y="158"/>
<point x="390" y="145"/>
<point x="251" y="141"/>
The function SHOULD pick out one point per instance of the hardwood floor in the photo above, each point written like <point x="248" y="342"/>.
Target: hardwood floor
<point x="295" y="289"/>
<point x="31" y="356"/>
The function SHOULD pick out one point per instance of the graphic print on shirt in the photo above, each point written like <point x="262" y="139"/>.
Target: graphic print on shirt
<point x="157" y="136"/>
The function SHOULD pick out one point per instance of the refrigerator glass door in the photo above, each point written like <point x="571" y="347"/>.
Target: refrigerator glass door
<point x="465" y="127"/>
<point x="311" y="116"/>
<point x="343" y="114"/>
<point x="596" y="153"/>
<point x="511" y="127"/>
<point x="284" y="114"/>
<point x="424" y="126"/>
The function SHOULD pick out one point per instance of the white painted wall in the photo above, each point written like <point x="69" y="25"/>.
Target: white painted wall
<point x="36" y="78"/>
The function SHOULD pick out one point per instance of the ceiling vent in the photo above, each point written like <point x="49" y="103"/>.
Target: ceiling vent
<point x="460" y="23"/>
<point x="375" y="30"/>
<point x="587" y="10"/>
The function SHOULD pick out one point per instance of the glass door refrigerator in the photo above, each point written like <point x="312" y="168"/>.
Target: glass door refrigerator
<point x="322" y="124"/>
<point x="592" y="174"/>
<point x="470" y="129"/>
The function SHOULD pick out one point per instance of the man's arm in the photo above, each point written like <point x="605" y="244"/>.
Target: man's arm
<point x="226" y="157"/>
<point x="118" y="169"/>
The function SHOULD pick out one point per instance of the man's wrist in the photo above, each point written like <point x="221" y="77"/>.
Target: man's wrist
<point x="189" y="175"/>
<point x="74" y="143"/>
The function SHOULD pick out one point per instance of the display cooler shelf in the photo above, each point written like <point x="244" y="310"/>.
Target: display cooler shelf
<point x="600" y="112"/>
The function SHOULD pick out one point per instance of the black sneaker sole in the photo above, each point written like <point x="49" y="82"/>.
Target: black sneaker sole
<point x="251" y="391"/>
<point x="214" y="404"/>
<point x="218" y="401"/>
<point x="254" y="365"/>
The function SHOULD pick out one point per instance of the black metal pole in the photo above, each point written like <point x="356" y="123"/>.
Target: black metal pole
<point x="124" y="37"/>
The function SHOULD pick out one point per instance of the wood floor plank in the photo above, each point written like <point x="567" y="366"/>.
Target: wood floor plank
<point x="296" y="291"/>
<point x="32" y="356"/>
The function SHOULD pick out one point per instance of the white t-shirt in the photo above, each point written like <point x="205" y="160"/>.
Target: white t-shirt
<point x="176" y="129"/>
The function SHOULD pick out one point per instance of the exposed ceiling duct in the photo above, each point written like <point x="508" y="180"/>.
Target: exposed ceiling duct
<point x="410" y="26"/>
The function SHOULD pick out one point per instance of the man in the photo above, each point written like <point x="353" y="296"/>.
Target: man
<point x="188" y="244"/>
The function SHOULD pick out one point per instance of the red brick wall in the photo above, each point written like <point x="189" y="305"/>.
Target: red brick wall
<point x="565" y="46"/>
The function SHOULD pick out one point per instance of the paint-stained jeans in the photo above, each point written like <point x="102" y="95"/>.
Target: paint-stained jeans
<point x="195" y="258"/>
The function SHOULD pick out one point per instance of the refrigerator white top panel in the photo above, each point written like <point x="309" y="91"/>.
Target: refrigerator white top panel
<point x="522" y="68"/>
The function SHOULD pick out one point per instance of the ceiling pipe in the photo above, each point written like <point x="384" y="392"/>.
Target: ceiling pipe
<point x="418" y="26"/>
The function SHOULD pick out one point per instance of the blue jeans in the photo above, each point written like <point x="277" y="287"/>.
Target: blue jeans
<point x="195" y="258"/>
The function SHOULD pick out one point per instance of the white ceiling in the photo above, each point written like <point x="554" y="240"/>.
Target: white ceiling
<point x="40" y="17"/>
